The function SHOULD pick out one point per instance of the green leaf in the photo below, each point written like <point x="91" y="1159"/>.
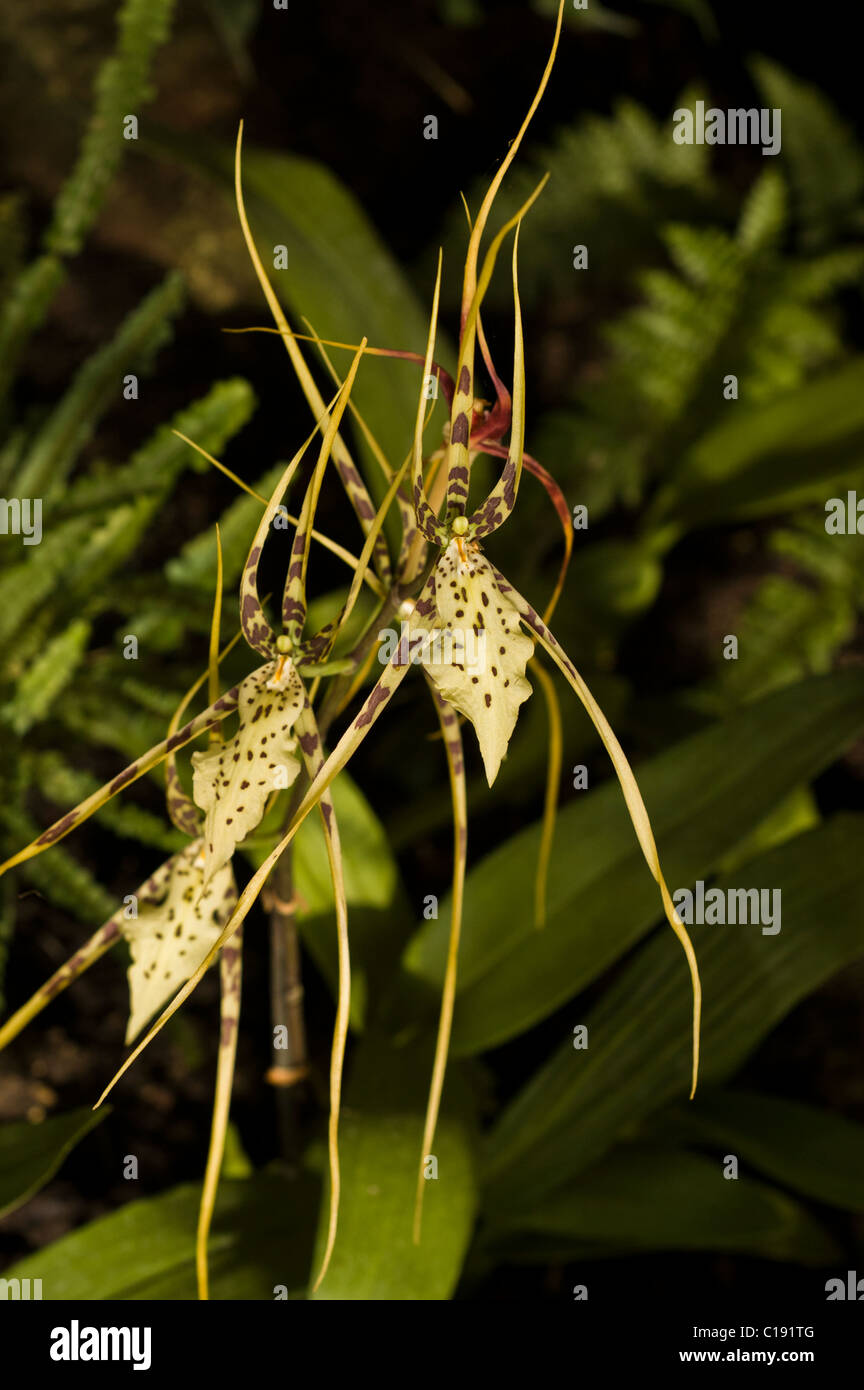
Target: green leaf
<point x="702" y="795"/>
<point x="125" y="729"/>
<point x="638" y="1056"/>
<point x="780" y="455"/>
<point x="658" y="1198"/>
<point x="764" y="215"/>
<point x="30" y="1154"/>
<point x="810" y="1150"/>
<point x="380" y="1134"/>
<point x="794" y="814"/>
<point x="261" y="1237"/>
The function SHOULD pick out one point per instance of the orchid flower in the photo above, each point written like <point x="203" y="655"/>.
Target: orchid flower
<point x="453" y="602"/>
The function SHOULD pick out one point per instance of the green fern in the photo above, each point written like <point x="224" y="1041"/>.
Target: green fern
<point x="824" y="161"/>
<point x="613" y="182"/>
<point x="798" y="620"/>
<point x="122" y="88"/>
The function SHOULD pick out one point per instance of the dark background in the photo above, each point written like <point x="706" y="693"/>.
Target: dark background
<point x="349" y="84"/>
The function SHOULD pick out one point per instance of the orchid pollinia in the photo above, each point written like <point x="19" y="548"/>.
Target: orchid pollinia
<point x="442" y="584"/>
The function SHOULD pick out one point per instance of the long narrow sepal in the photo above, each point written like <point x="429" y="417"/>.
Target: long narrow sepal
<point x="348" y="472"/>
<point x="335" y="549"/>
<point x="403" y="499"/>
<point x="225" y="705"/>
<point x="294" y="598"/>
<point x="502" y="499"/>
<point x="231" y="981"/>
<point x="181" y="808"/>
<point x="469" y="284"/>
<point x="100" y="942"/>
<point x="443" y="377"/>
<point x="452" y="737"/>
<point x="559" y="502"/>
<point x="462" y="409"/>
<point x="256" y="629"/>
<point x="427" y="521"/>
<point x="316" y="649"/>
<point x="555" y="760"/>
<point x="633" y="797"/>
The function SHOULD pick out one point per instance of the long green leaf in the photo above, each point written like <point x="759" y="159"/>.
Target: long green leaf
<point x="637" y="1059"/>
<point x="703" y="795"/>
<point x="30" y="1154"/>
<point x="261" y="1239"/>
<point x="657" y="1198"/>
<point x="810" y="1150"/>
<point x="784" y="454"/>
<point x="381" y="1129"/>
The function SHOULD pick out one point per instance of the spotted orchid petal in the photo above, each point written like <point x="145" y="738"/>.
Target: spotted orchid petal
<point x="232" y="782"/>
<point x="478" y="662"/>
<point x="419" y="625"/>
<point x="180" y="915"/>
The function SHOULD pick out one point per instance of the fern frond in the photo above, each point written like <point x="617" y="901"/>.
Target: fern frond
<point x="122" y="88"/>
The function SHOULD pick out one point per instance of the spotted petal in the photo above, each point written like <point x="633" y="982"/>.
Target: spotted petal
<point x="179" y="918"/>
<point x="232" y="781"/>
<point x="477" y="663"/>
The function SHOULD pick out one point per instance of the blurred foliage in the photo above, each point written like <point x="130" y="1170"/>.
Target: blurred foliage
<point x="591" y="1155"/>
